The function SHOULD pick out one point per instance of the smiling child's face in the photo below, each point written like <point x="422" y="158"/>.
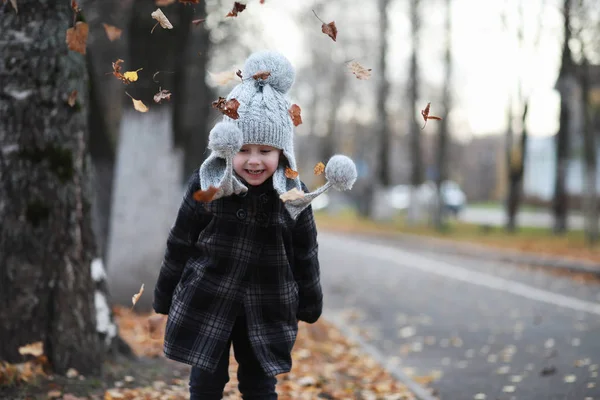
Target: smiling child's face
<point x="256" y="163"/>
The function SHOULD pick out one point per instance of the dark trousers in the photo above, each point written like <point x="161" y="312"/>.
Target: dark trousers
<point x="253" y="383"/>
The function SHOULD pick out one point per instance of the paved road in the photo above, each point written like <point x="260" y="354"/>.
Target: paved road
<point x="497" y="217"/>
<point x="485" y="330"/>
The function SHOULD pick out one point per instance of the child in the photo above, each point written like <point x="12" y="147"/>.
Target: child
<point x="242" y="269"/>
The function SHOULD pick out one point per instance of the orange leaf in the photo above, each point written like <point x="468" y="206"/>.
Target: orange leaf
<point x="205" y="196"/>
<point x="162" y="95"/>
<point x="292" y="194"/>
<point x="290" y="173"/>
<point x="228" y="107"/>
<point x="237" y="8"/>
<point x="162" y="3"/>
<point x="75" y="7"/>
<point x="77" y="37"/>
<point x="426" y="116"/>
<point x="112" y="32"/>
<point x="72" y="98"/>
<point x="294" y="112"/>
<point x="330" y="30"/>
<point x="319" y="168"/>
<point x="136" y="297"/>
<point x="261" y="75"/>
<point x="190" y="1"/>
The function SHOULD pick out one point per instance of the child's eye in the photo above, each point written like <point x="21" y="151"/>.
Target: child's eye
<point x="243" y="151"/>
<point x="265" y="151"/>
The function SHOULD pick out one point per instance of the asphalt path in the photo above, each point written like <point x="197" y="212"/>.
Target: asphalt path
<point x="480" y="329"/>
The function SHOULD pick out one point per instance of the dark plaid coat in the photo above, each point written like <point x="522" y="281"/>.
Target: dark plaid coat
<point x="238" y="254"/>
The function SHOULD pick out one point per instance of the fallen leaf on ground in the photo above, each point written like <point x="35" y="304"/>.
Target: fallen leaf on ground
<point x="162" y="20"/>
<point x="295" y="112"/>
<point x="136" y="297"/>
<point x="227" y="107"/>
<point x="290" y="173"/>
<point x="359" y="71"/>
<point x="292" y="194"/>
<point x="205" y="196"/>
<point x="112" y="32"/>
<point x="319" y="168"/>
<point x="35" y="349"/>
<point x="77" y="37"/>
<point x="237" y="8"/>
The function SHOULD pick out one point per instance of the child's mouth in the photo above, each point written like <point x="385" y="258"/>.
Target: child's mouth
<point x="255" y="171"/>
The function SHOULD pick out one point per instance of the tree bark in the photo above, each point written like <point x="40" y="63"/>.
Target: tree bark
<point x="383" y="130"/>
<point x="46" y="237"/>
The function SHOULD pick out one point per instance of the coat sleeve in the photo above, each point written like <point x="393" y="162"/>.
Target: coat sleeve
<point x="306" y="267"/>
<point x="180" y="245"/>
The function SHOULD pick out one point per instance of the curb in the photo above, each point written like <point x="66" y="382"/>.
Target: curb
<point x="419" y="391"/>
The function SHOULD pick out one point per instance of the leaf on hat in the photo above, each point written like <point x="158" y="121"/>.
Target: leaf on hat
<point x="426" y="116"/>
<point x="293" y="194"/>
<point x="223" y="78"/>
<point x="136" y="297"/>
<point x="162" y="20"/>
<point x="198" y="21"/>
<point x="72" y="98"/>
<point x="77" y="37"/>
<point x="237" y="8"/>
<point x="261" y="75"/>
<point x="138" y="104"/>
<point x="163" y="94"/>
<point x="359" y="71"/>
<point x="112" y="32"/>
<point x="290" y="173"/>
<point x="294" y="112"/>
<point x="319" y="168"/>
<point x="227" y="107"/>
<point x="205" y="196"/>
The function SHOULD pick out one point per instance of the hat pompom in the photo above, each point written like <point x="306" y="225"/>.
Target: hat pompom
<point x="341" y="172"/>
<point x="282" y="72"/>
<point x="226" y="139"/>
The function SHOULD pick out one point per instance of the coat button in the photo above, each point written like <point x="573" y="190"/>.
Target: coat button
<point x="264" y="198"/>
<point x="241" y="213"/>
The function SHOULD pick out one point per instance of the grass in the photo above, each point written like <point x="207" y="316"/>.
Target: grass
<point x="529" y="239"/>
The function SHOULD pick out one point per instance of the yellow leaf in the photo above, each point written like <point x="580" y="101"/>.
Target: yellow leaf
<point x="162" y="19"/>
<point x="132" y="76"/>
<point x="139" y="106"/>
<point x="319" y="168"/>
<point x="293" y="194"/>
<point x="136" y="297"/>
<point x="35" y="349"/>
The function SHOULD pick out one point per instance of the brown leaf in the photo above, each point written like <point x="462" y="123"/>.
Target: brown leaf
<point x="75" y="7"/>
<point x="319" y="168"/>
<point x="237" y="8"/>
<point x="292" y="194"/>
<point x="112" y="32"/>
<point x="426" y="116"/>
<point x="155" y="322"/>
<point x="261" y="75"/>
<point x="262" y="1"/>
<point x="164" y="94"/>
<point x="72" y="98"/>
<point x="330" y="30"/>
<point x="163" y="3"/>
<point x="239" y="73"/>
<point x="34" y="349"/>
<point x="205" y="196"/>
<point x="77" y="37"/>
<point x="360" y="71"/>
<point x="198" y="21"/>
<point x="136" y="297"/>
<point x="290" y="173"/>
<point x="228" y="107"/>
<point x="162" y="19"/>
<point x="294" y="112"/>
<point x="190" y="1"/>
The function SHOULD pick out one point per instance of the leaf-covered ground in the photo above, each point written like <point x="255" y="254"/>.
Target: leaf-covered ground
<point x="326" y="366"/>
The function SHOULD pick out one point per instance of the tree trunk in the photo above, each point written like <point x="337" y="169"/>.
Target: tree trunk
<point x="46" y="237"/>
<point x="516" y="168"/>
<point x="382" y="125"/>
<point x="560" y="202"/>
<point x="442" y="149"/>
<point x="338" y="88"/>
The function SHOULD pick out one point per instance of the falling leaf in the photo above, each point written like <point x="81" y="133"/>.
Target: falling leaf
<point x="237" y="8"/>
<point x="136" y="297"/>
<point x="261" y="75"/>
<point x="77" y="37"/>
<point x="132" y="76"/>
<point x="426" y="116"/>
<point x="290" y="173"/>
<point x="228" y="107"/>
<point x="293" y="194"/>
<point x="163" y="3"/>
<point x="198" y="21"/>
<point x="223" y="78"/>
<point x="330" y="30"/>
<point x="262" y="1"/>
<point x="162" y="95"/>
<point x="205" y="196"/>
<point x="162" y="20"/>
<point x="319" y="168"/>
<point x="138" y="104"/>
<point x="34" y="349"/>
<point x="112" y="32"/>
<point x="75" y="7"/>
<point x="72" y="98"/>
<point x="294" y="112"/>
<point x="359" y="71"/>
<point x="239" y="73"/>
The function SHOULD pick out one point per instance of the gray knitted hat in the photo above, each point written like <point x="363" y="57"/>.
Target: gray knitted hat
<point x="264" y="120"/>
